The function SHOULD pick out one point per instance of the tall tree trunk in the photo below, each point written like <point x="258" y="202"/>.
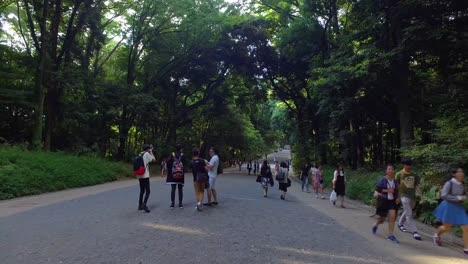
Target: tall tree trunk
<point x="401" y="70"/>
<point x="379" y="157"/>
<point x="39" y="78"/>
<point x="124" y="127"/>
<point x="303" y="147"/>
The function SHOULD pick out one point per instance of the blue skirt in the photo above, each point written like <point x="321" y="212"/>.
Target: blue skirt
<point x="451" y="213"/>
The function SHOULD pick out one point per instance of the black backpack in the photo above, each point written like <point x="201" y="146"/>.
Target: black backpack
<point x="139" y="166"/>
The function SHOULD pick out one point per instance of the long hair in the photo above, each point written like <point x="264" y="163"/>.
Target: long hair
<point x="264" y="168"/>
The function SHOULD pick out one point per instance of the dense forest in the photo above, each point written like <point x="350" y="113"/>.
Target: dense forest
<point x="364" y="82"/>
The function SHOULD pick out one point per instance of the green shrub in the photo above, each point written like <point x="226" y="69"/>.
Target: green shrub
<point x="361" y="185"/>
<point x="32" y="172"/>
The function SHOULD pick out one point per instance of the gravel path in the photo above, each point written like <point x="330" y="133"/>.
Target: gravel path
<point x="245" y="228"/>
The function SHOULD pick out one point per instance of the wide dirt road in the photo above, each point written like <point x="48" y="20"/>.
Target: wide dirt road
<point x="105" y="227"/>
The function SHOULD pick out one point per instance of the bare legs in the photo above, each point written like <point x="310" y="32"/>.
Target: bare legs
<point x="212" y="193"/>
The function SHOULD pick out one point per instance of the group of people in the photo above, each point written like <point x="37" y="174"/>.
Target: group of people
<point x="312" y="173"/>
<point x="204" y="177"/>
<point x="393" y="191"/>
<point x="253" y="165"/>
<point x="265" y="178"/>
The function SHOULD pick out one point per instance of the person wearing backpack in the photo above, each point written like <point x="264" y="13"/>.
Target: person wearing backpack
<point x="283" y="180"/>
<point x="450" y="211"/>
<point x="200" y="177"/>
<point x="175" y="175"/>
<point x="143" y="175"/>
<point x="212" y="168"/>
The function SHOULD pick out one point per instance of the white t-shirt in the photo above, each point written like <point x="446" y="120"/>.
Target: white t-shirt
<point x="390" y="185"/>
<point x="313" y="171"/>
<point x="147" y="158"/>
<point x="214" y="162"/>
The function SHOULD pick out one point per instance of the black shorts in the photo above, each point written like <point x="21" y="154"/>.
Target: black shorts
<point x="384" y="205"/>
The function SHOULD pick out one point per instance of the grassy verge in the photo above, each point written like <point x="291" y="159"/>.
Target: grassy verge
<point x="29" y="172"/>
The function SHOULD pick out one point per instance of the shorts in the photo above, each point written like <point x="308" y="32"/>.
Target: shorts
<point x="212" y="183"/>
<point x="384" y="205"/>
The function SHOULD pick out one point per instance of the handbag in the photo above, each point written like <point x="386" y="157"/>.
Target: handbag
<point x="289" y="183"/>
<point x="259" y="179"/>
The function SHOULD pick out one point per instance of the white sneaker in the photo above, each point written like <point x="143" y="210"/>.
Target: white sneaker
<point x="316" y="196"/>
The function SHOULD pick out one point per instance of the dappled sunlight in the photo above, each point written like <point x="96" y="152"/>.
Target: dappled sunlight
<point x="177" y="229"/>
<point x="321" y="254"/>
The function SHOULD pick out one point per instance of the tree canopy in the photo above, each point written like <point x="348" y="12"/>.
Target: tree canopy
<point x="361" y="82"/>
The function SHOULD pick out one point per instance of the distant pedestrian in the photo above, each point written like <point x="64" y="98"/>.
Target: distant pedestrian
<point x="283" y="179"/>
<point x="255" y="167"/>
<point x="409" y="186"/>
<point x="339" y="184"/>
<point x="319" y="177"/>
<point x="144" y="180"/>
<point x="240" y="165"/>
<point x="265" y="178"/>
<point x="212" y="168"/>
<point x="315" y="180"/>
<point x="451" y="211"/>
<point x="200" y="177"/>
<point x="277" y="167"/>
<point x="305" y="178"/>
<point x="163" y="167"/>
<point x="387" y="200"/>
<point x="176" y="176"/>
<point x="249" y="166"/>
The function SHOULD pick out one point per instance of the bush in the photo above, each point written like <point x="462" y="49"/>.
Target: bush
<point x="361" y="185"/>
<point x="28" y="172"/>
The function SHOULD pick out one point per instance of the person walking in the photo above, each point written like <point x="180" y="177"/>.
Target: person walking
<point x="305" y="177"/>
<point x="320" y="178"/>
<point x="255" y="167"/>
<point x="265" y="178"/>
<point x="163" y="167"/>
<point x="176" y="176"/>
<point x="144" y="179"/>
<point x="277" y="167"/>
<point x="409" y="185"/>
<point x="339" y="184"/>
<point x="387" y="193"/>
<point x="200" y="178"/>
<point x="283" y="179"/>
<point x="240" y="165"/>
<point x="212" y="168"/>
<point x="315" y="180"/>
<point x="450" y="211"/>
<point x="249" y="166"/>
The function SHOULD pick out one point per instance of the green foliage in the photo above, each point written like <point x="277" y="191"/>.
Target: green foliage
<point x="26" y="173"/>
<point x="361" y="185"/>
